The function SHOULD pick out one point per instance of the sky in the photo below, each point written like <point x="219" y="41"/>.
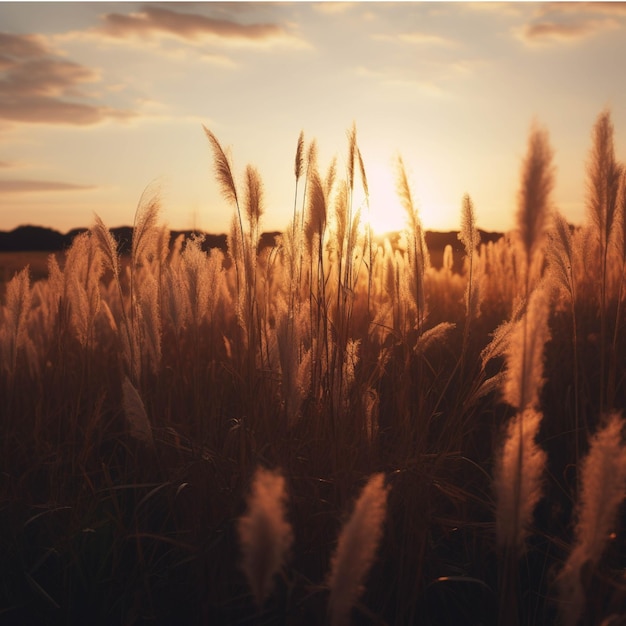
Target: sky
<point x="100" y="102"/>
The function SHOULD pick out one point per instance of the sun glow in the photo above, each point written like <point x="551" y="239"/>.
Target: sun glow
<point x="386" y="213"/>
<point x="385" y="210"/>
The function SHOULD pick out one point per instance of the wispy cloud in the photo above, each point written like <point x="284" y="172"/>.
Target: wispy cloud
<point x="415" y="38"/>
<point x="33" y="186"/>
<point x="38" y="86"/>
<point x="576" y="30"/>
<point x="155" y="22"/>
<point x="395" y="78"/>
<point x="333" y="8"/>
<point x="559" y="22"/>
<point x="606" y="8"/>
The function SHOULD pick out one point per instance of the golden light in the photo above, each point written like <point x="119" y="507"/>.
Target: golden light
<point x="386" y="211"/>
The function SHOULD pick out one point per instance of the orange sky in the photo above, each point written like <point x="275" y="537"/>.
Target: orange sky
<point x="100" y="100"/>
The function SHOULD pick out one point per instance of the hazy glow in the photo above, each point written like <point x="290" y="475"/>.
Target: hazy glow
<point x="97" y="101"/>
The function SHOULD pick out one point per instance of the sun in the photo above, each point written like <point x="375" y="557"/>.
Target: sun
<point x="385" y="210"/>
<point x="386" y="213"/>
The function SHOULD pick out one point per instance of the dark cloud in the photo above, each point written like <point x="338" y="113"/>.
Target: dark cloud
<point x="153" y="20"/>
<point x="29" y="186"/>
<point x="37" y="86"/>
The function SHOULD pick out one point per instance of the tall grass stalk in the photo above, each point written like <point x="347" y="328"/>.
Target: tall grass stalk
<point x="470" y="238"/>
<point x="601" y="494"/>
<point x="604" y="174"/>
<point x="356" y="549"/>
<point x="620" y="263"/>
<point x="418" y="259"/>
<point x="561" y="260"/>
<point x="265" y="535"/>
<point x="226" y="180"/>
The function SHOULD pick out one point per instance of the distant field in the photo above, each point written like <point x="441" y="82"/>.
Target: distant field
<point x="12" y="262"/>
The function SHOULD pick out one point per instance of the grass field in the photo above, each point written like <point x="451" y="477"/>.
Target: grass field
<point x="329" y="430"/>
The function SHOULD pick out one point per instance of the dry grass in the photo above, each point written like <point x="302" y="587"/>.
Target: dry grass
<point x="139" y="394"/>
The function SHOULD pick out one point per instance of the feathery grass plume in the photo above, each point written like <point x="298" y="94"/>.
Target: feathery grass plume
<point x="341" y="221"/>
<point x="331" y="177"/>
<point x="265" y="535"/>
<point x="150" y="320"/>
<point x="369" y="245"/>
<point x="83" y="270"/>
<point x="604" y="174"/>
<point x="356" y="549"/>
<point x="534" y="204"/>
<point x="604" y="179"/>
<point x="619" y="280"/>
<point x="560" y="256"/>
<point x="342" y="387"/>
<point x="254" y="210"/>
<point x="298" y="170"/>
<point x="470" y="238"/>
<point x="561" y="264"/>
<point x="363" y="174"/>
<point x="295" y="362"/>
<point x="351" y="156"/>
<point x="56" y="287"/>
<point x="254" y="198"/>
<point x="203" y="277"/>
<point x="417" y="251"/>
<point x="621" y="221"/>
<point x="108" y="246"/>
<point x="299" y="161"/>
<point x="518" y="481"/>
<point x="223" y="171"/>
<point x="135" y="412"/>
<point x="524" y="352"/>
<point x="18" y="303"/>
<point x="226" y="180"/>
<point x="317" y="214"/>
<point x="432" y="335"/>
<point x="603" y="482"/>
<point x="145" y="227"/>
<point x="176" y="298"/>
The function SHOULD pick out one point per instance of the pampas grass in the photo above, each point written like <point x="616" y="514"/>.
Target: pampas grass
<point x="135" y="412"/>
<point x="290" y="356"/>
<point x="602" y="489"/>
<point x="525" y="352"/>
<point x="265" y="536"/>
<point x="604" y="174"/>
<point x="13" y="334"/>
<point x="418" y="258"/>
<point x="518" y="480"/>
<point x="356" y="549"/>
<point x="534" y="204"/>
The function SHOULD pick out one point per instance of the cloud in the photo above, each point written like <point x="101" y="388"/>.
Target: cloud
<point x="333" y="8"/>
<point x="606" y="8"/>
<point x="36" y="186"/>
<point x="37" y="86"/>
<point x="550" y="31"/>
<point x="415" y="38"/>
<point x="399" y="79"/>
<point x="157" y="22"/>
<point x="554" y="22"/>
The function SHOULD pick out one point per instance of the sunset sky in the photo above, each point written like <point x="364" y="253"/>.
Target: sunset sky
<point x="100" y="100"/>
